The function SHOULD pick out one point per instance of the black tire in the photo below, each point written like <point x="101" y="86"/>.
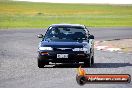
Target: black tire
<point x="40" y="64"/>
<point x="87" y="62"/>
<point x="92" y="60"/>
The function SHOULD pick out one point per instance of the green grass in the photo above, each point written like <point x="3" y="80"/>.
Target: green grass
<point x="38" y="15"/>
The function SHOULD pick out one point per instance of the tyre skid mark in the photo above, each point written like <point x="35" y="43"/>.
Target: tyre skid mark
<point x="106" y="48"/>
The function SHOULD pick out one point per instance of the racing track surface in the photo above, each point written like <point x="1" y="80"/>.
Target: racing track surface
<point x="18" y="63"/>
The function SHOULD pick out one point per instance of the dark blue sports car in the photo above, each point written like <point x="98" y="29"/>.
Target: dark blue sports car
<point x="66" y="43"/>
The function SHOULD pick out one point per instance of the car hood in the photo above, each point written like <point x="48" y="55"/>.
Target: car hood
<point x="63" y="44"/>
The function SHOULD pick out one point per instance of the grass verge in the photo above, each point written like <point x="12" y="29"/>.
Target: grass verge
<point x="15" y="14"/>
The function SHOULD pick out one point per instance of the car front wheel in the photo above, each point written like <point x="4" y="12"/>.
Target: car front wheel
<point x="40" y="64"/>
<point x="87" y="62"/>
<point x="92" y="60"/>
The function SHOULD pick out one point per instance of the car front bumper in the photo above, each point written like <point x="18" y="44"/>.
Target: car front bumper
<point x="73" y="56"/>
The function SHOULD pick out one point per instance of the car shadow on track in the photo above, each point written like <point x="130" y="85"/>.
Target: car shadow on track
<point x="96" y="65"/>
<point x="111" y="65"/>
<point x="64" y="65"/>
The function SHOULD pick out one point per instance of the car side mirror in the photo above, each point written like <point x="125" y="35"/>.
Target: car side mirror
<point x="40" y="36"/>
<point x="91" y="37"/>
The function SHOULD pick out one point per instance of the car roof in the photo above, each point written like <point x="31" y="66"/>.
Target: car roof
<point x="67" y="25"/>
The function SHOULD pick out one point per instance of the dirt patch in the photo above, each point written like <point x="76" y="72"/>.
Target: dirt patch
<point x="125" y="44"/>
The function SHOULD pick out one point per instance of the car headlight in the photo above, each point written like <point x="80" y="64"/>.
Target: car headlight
<point x="81" y="49"/>
<point x="78" y="49"/>
<point x="86" y="49"/>
<point x="45" y="48"/>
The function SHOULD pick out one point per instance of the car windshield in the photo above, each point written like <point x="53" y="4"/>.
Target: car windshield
<point x="65" y="34"/>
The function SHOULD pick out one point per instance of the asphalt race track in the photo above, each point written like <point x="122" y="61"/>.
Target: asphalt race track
<point x="18" y="63"/>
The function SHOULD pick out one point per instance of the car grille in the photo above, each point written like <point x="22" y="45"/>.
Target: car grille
<point x="62" y="49"/>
